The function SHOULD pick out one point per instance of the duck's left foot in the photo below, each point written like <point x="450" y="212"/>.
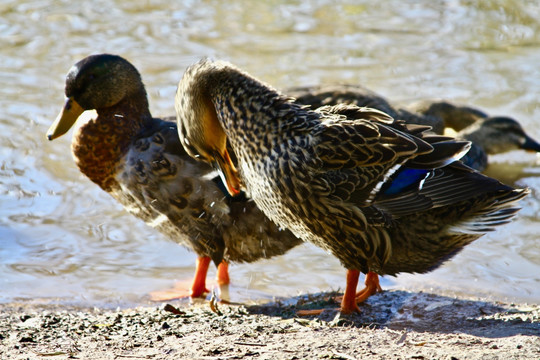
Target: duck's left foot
<point x="180" y="290"/>
<point x="213" y="304"/>
<point x="348" y="302"/>
<point x="198" y="287"/>
<point x="372" y="287"/>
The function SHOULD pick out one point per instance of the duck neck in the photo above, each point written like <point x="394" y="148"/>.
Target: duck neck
<point x="251" y="112"/>
<point x="477" y="135"/>
<point x="100" y="145"/>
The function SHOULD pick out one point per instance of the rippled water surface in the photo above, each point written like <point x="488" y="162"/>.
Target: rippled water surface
<point x="63" y="239"/>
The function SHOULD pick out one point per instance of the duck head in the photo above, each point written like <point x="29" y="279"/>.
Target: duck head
<point x="499" y="134"/>
<point x="200" y="131"/>
<point x="97" y="82"/>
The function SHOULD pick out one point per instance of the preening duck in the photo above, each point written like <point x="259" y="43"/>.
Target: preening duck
<point x="382" y="196"/>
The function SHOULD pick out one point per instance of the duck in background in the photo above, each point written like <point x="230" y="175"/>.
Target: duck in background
<point x="382" y="196"/>
<point x="489" y="135"/>
<point x="139" y="161"/>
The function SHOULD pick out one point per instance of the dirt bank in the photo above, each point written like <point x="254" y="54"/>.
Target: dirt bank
<point x="393" y="325"/>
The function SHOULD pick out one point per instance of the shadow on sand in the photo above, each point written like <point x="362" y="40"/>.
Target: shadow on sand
<point x="421" y="312"/>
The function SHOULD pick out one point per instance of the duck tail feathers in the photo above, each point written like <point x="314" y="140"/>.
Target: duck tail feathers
<point x="501" y="212"/>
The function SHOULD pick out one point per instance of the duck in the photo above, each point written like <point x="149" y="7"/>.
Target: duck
<point x="139" y="161"/>
<point x="489" y="135"/>
<point x="318" y="96"/>
<point x="382" y="196"/>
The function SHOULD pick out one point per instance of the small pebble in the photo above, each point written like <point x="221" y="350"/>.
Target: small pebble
<point x="26" y="339"/>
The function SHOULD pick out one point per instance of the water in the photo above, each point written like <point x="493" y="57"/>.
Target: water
<point x="63" y="239"/>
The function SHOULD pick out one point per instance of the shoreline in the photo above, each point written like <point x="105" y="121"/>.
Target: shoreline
<point x="393" y="325"/>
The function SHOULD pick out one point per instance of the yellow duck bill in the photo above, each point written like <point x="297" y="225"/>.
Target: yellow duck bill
<point x="65" y="120"/>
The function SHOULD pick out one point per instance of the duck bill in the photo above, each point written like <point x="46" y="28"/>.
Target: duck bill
<point x="227" y="172"/>
<point x="65" y="120"/>
<point x="531" y="145"/>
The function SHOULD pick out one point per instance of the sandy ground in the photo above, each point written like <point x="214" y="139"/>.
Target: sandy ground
<point x="392" y="325"/>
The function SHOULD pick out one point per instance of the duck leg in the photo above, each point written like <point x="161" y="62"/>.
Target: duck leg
<point x="180" y="290"/>
<point x="223" y="281"/>
<point x="223" y="273"/>
<point x="372" y="287"/>
<point x="198" y="288"/>
<point x="348" y="301"/>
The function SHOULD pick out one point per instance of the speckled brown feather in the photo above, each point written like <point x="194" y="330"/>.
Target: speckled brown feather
<point x="320" y="173"/>
<point x="362" y="97"/>
<point x="489" y="135"/>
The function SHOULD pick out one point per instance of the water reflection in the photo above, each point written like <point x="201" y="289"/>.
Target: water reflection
<point x="62" y="238"/>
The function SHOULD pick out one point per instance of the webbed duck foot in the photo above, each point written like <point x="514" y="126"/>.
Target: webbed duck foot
<point x="198" y="287"/>
<point x="349" y="304"/>
<point x="312" y="312"/>
<point x="180" y="290"/>
<point x="372" y="287"/>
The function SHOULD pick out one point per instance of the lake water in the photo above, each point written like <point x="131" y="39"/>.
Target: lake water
<point x="62" y="239"/>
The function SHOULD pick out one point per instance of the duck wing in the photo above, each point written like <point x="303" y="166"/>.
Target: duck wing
<point x="359" y="149"/>
<point x="161" y="184"/>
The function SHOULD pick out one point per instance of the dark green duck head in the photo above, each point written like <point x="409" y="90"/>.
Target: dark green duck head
<point x="99" y="82"/>
<point x="112" y="87"/>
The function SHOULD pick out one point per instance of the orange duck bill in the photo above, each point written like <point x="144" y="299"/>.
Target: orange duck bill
<point x="227" y="172"/>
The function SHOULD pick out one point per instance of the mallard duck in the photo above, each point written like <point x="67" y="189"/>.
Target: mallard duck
<point x="488" y="135"/>
<point x="455" y="117"/>
<point x="140" y="162"/>
<point x="382" y="196"/>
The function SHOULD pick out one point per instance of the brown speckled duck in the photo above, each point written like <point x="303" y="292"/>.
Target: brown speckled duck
<point x="489" y="135"/>
<point x="140" y="162"/>
<point x="382" y="196"/>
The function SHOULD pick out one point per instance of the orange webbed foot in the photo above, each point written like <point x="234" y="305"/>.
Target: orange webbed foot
<point x="348" y="301"/>
<point x="198" y="287"/>
<point x="180" y="290"/>
<point x="372" y="287"/>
